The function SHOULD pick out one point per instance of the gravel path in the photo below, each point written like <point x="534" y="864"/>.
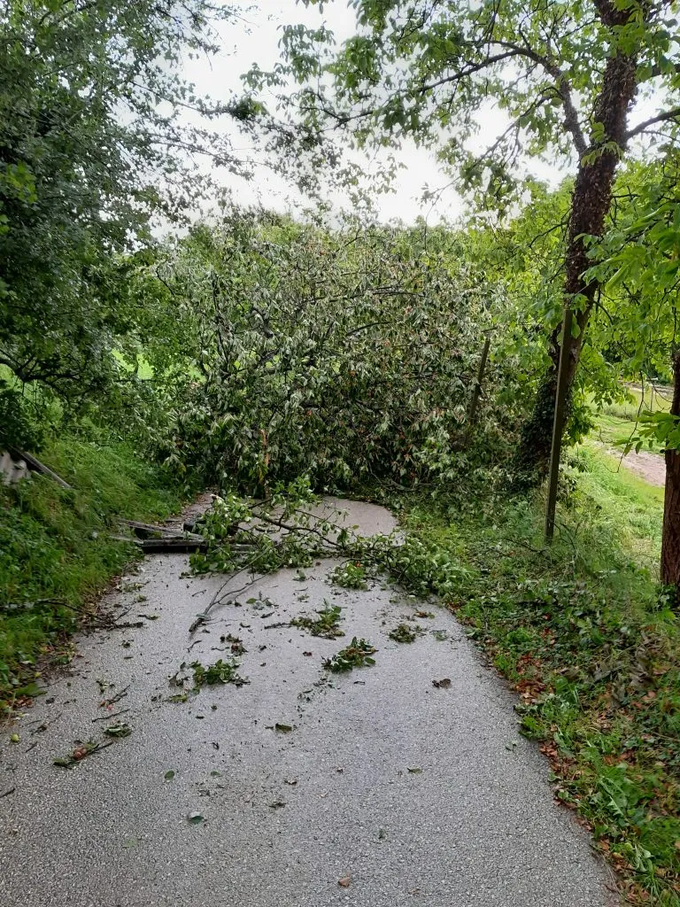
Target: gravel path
<point x="647" y="465"/>
<point x="405" y="793"/>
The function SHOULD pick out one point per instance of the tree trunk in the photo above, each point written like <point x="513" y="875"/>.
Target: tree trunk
<point x="670" y="540"/>
<point x="590" y="206"/>
<point x="477" y="390"/>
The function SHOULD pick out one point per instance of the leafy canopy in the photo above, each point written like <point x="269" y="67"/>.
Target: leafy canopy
<point x="91" y="148"/>
<point x="430" y="70"/>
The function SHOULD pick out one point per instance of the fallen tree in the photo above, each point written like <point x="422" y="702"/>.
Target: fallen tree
<point x="347" y="356"/>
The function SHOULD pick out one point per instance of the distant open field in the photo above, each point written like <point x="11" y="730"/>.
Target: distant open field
<point x="615" y="423"/>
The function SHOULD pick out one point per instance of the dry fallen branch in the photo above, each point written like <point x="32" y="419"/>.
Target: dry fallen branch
<point x="82" y="751"/>
<point x="110" y="715"/>
<point x="36" y="466"/>
<point x="107" y="703"/>
<point x="219" y="597"/>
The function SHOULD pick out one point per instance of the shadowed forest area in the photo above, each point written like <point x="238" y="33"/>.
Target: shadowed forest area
<point x="158" y="340"/>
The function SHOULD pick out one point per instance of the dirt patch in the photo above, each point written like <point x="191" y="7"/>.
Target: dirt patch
<point x="648" y="466"/>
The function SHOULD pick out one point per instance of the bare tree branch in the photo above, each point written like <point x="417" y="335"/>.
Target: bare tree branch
<point x="663" y="117"/>
<point x="563" y="87"/>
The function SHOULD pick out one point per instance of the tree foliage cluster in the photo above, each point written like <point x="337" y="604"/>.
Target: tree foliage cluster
<point x="345" y="355"/>
<point x="92" y="150"/>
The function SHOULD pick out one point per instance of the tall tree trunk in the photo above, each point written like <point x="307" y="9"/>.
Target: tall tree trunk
<point x="590" y="205"/>
<point x="670" y="540"/>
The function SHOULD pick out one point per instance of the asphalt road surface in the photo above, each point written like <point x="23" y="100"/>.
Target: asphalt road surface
<point x="387" y="791"/>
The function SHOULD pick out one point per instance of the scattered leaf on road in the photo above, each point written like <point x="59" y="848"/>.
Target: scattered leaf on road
<point x="169" y="775"/>
<point x="325" y="624"/>
<point x="356" y="655"/>
<point x="81" y="751"/>
<point x="195" y="818"/>
<point x="442" y="684"/>
<point x="277" y="804"/>
<point x="118" y="730"/>
<point x="221" y="672"/>
<point x="237" y="647"/>
<point x="345" y="882"/>
<point x="404" y="633"/>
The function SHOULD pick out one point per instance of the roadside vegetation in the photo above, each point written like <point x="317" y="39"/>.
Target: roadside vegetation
<point x="56" y="553"/>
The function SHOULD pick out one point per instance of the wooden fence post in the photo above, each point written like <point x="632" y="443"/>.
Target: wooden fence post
<point x="558" y="425"/>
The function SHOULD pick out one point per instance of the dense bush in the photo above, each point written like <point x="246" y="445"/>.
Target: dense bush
<point x="347" y="356"/>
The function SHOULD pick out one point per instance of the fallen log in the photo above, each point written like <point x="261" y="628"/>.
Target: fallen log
<point x="169" y="545"/>
<point x="35" y="465"/>
<point x="150" y="531"/>
<point x="166" y="544"/>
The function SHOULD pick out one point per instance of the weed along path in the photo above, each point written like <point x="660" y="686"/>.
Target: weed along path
<point x="403" y="782"/>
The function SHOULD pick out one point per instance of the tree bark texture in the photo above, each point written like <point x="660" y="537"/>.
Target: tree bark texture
<point x="590" y="205"/>
<point x="670" y="539"/>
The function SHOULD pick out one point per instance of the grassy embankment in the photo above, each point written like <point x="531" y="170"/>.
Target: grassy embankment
<point x="56" y="555"/>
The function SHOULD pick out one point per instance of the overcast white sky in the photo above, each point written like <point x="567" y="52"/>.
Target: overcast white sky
<point x="255" y="40"/>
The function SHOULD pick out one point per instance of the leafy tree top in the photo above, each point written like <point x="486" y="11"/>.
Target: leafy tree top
<point x="92" y="145"/>
<point x="424" y="69"/>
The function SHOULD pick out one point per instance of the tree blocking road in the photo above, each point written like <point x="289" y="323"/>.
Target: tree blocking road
<point x="565" y="75"/>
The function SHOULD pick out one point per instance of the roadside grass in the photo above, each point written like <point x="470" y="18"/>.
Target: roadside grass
<point x="55" y="552"/>
<point x="635" y="506"/>
<point x="653" y="399"/>
<point x="613" y="431"/>
<point x="583" y="634"/>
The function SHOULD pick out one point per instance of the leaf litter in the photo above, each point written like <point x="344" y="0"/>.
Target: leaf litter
<point x="358" y="654"/>
<point x="326" y="624"/>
